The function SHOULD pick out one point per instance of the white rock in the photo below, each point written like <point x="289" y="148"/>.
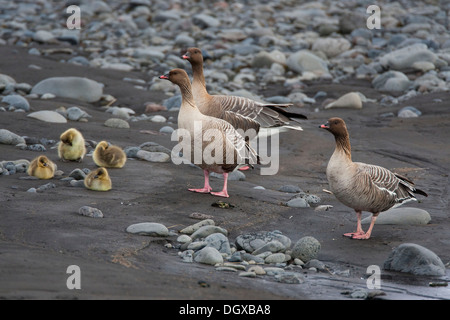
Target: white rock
<point x="404" y="58"/>
<point x="305" y="61"/>
<point x="350" y="100"/>
<point x="48" y="116"/>
<point x="82" y="89"/>
<point x="44" y="36"/>
<point x="153" y="156"/>
<point x="158" y="118"/>
<point x="149" y="229"/>
<point x="331" y="46"/>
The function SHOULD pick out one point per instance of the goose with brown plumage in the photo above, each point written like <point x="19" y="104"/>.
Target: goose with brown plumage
<point x="223" y="149"/>
<point x="363" y="187"/>
<point x="242" y="113"/>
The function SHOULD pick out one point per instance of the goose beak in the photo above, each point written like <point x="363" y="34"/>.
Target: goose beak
<point x="325" y="126"/>
<point x="185" y="56"/>
<point x="164" y="76"/>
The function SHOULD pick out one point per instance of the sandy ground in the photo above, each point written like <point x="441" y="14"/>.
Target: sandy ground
<point x="42" y="234"/>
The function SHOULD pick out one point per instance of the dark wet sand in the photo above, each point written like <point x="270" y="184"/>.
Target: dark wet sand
<point x="42" y="234"/>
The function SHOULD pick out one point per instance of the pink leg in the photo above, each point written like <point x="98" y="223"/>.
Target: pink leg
<point x="369" y="231"/>
<point x="359" y="230"/>
<point x="207" y="188"/>
<point x="224" y="192"/>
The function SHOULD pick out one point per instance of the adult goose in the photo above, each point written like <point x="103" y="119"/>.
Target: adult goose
<point x="242" y="113"/>
<point x="363" y="187"/>
<point x="223" y="149"/>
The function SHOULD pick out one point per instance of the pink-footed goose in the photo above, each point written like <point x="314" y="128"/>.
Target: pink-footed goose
<point x="361" y="186"/>
<point x="213" y="133"/>
<point x="242" y="113"/>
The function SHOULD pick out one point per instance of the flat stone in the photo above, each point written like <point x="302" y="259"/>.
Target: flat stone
<point x="205" y="231"/>
<point x="149" y="229"/>
<point x="48" y="116"/>
<point x="351" y="100"/>
<point x="153" y="156"/>
<point x="402" y="216"/>
<point x="290" y="278"/>
<point x="194" y="227"/>
<point x="79" y="88"/>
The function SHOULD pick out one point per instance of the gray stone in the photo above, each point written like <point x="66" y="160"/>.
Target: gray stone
<point x="405" y="58"/>
<point x="290" y="189"/>
<point x="184" y="238"/>
<point x="297" y="203"/>
<point x="8" y="137"/>
<point x="415" y="259"/>
<point x="219" y="242"/>
<point x="205" y="231"/>
<point x="252" y="241"/>
<point x="401" y="216"/>
<point x="290" y="278"/>
<point x="272" y="246"/>
<point x="131" y="152"/>
<point x="75" y="114"/>
<point x="205" y="21"/>
<point x="82" y="89"/>
<point x="153" y="156"/>
<point x="46" y="187"/>
<point x="17" y="102"/>
<point x="117" y="123"/>
<point x="167" y="129"/>
<point x="331" y="46"/>
<point x="187" y="256"/>
<point x="275" y="258"/>
<point x="306" y="248"/>
<point x="149" y="229"/>
<point x="48" y="116"/>
<point x="194" y="227"/>
<point x="232" y="176"/>
<point x="77" y="174"/>
<point x="44" y="36"/>
<point x="407" y="113"/>
<point x="318" y="265"/>
<point x="273" y="271"/>
<point x="90" y="212"/>
<point x="391" y="81"/>
<point x="304" y="60"/>
<point x="208" y="255"/>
